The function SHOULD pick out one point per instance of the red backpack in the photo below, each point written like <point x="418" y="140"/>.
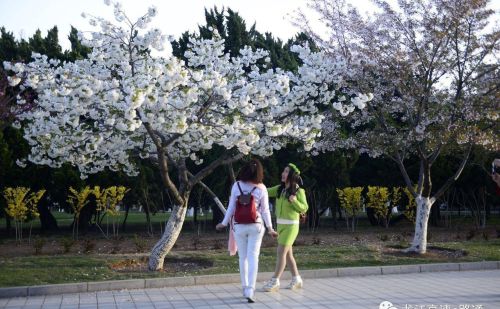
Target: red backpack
<point x="246" y="211"/>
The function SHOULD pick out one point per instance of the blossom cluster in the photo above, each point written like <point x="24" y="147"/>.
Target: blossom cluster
<point x="106" y="110"/>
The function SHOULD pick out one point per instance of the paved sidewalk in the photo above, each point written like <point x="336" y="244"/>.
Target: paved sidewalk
<point x="431" y="290"/>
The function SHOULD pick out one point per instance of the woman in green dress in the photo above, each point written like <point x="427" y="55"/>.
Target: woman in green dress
<point x="290" y="204"/>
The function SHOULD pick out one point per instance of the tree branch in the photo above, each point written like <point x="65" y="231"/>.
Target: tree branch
<point x="183" y="173"/>
<point x="163" y="164"/>
<point x="163" y="161"/>
<point x="409" y="185"/>
<point x="420" y="186"/>
<point x="212" y="194"/>
<point x="453" y="178"/>
<point x="435" y="154"/>
<point x="208" y="169"/>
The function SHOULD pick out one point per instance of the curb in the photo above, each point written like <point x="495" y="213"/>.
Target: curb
<point x="54" y="289"/>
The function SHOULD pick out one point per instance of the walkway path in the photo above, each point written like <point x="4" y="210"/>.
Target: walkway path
<point x="431" y="290"/>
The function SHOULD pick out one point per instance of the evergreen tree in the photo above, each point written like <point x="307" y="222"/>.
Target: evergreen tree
<point x="237" y="34"/>
<point x="232" y="28"/>
<point x="51" y="44"/>
<point x="215" y="20"/>
<point x="78" y="50"/>
<point x="37" y="43"/>
<point x="8" y="48"/>
<point x="24" y="50"/>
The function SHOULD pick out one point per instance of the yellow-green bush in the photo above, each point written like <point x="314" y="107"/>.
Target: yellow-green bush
<point x="411" y="207"/>
<point x="108" y="200"/>
<point x="21" y="206"/>
<point x="351" y="201"/>
<point x="382" y="200"/>
<point x="78" y="200"/>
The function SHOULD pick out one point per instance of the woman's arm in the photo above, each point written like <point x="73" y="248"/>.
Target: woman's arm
<point x="231" y="207"/>
<point x="299" y="203"/>
<point x="273" y="191"/>
<point x="264" y="208"/>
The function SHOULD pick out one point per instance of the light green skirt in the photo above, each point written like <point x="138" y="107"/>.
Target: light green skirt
<point x="287" y="233"/>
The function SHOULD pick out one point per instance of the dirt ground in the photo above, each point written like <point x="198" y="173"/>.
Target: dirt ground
<point x="141" y="244"/>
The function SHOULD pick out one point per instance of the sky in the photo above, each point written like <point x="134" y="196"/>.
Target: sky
<point x="23" y="17"/>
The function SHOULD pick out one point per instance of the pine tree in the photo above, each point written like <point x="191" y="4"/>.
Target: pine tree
<point x="78" y="50"/>
<point x="8" y="49"/>
<point x="51" y="44"/>
<point x="37" y="43"/>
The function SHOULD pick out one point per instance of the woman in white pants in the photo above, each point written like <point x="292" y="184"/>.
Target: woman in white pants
<point x="249" y="235"/>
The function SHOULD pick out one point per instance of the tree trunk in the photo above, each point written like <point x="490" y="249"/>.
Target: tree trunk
<point x="419" y="244"/>
<point x="47" y="220"/>
<point x="370" y="213"/>
<point x="180" y="192"/>
<point x="147" y="212"/>
<point x="8" y="225"/>
<point x="167" y="241"/>
<point x="333" y="210"/>
<point x="85" y="217"/>
<point x="124" y="223"/>
<point x="424" y="204"/>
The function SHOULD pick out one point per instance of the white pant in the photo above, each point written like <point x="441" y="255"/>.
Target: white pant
<point x="249" y="238"/>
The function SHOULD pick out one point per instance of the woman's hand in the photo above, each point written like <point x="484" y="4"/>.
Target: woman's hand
<point x="292" y="198"/>
<point x="272" y="233"/>
<point x="220" y="227"/>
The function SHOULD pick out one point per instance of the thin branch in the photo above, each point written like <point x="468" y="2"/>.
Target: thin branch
<point x="163" y="163"/>
<point x="208" y="169"/>
<point x="183" y="173"/>
<point x="409" y="185"/>
<point x="420" y="186"/>
<point x="213" y="195"/>
<point x="453" y="178"/>
<point x="433" y="156"/>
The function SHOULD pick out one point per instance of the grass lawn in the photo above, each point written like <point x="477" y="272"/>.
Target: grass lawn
<point x="46" y="269"/>
<point x="64" y="219"/>
<point x="202" y="251"/>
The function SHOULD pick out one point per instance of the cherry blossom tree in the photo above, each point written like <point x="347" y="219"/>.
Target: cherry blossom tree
<point x="432" y="66"/>
<point x="124" y="104"/>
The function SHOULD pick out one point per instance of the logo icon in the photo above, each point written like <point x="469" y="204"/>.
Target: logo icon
<point x="386" y="305"/>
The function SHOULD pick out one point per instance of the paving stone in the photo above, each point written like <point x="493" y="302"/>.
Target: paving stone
<point x="439" y="267"/>
<point x="169" y="282"/>
<point x="456" y="289"/>
<point x="14" y="292"/>
<point x="490" y="264"/>
<point x="390" y="270"/>
<point x="407" y="269"/>
<point x="471" y="266"/>
<point x="359" y="271"/>
<point x="117" y="284"/>
<point x="215" y="279"/>
<point x="57" y="289"/>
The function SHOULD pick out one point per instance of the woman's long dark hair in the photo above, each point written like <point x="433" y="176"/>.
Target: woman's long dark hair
<point x="295" y="182"/>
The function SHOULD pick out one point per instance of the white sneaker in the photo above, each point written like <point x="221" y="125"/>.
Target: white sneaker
<point x="248" y="293"/>
<point x="296" y="283"/>
<point x="272" y="285"/>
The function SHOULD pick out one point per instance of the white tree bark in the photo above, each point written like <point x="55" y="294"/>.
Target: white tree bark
<point x="419" y="244"/>
<point x="167" y="241"/>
